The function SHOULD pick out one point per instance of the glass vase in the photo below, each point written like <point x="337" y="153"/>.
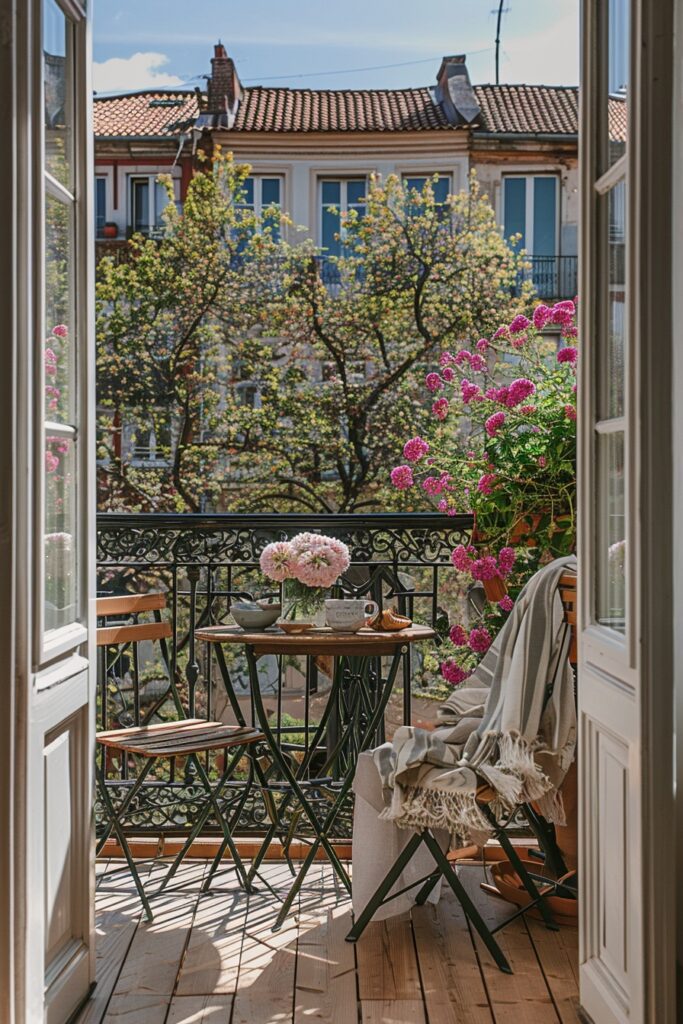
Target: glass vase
<point x="303" y="604"/>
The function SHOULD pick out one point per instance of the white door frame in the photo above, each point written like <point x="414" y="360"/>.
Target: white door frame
<point x="649" y="993"/>
<point x="47" y="690"/>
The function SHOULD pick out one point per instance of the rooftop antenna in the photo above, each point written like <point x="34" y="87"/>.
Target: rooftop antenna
<point x="501" y="11"/>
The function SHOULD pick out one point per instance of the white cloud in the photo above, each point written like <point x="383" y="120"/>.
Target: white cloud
<point x="140" y="71"/>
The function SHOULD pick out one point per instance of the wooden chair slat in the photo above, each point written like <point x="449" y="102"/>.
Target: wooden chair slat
<point x="134" y="633"/>
<point x="130" y="604"/>
<point x="177" y="739"/>
<point x="145" y="730"/>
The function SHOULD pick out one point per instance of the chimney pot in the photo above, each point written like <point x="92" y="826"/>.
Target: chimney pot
<point x="454" y="91"/>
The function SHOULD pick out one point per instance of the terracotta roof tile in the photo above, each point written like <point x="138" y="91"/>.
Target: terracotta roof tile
<point x="504" y="108"/>
<point x="148" y="114"/>
<point x="542" y="109"/>
<point x="343" y="110"/>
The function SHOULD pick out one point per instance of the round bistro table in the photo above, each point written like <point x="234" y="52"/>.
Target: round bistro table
<point x="356" y="704"/>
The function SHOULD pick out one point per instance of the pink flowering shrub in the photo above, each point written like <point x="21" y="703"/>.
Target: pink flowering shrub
<point x="515" y="466"/>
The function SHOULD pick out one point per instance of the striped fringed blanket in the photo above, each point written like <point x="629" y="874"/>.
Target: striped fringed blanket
<point x="495" y="727"/>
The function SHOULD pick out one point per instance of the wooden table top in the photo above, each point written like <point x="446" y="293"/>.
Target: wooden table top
<point x="319" y="640"/>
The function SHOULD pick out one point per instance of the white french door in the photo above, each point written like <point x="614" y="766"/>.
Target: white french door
<point x="625" y="677"/>
<point x="49" y="242"/>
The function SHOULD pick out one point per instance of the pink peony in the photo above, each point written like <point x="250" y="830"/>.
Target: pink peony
<point x="60" y="331"/>
<point x="50" y="362"/>
<point x="480" y="640"/>
<point x="494" y="423"/>
<point x="458" y="635"/>
<point x="440" y="408"/>
<point x="506" y="604"/>
<point x="568" y="354"/>
<point x="402" y="477"/>
<point x="320" y="566"/>
<point x="452" y="672"/>
<point x="277" y="560"/>
<point x="541" y="316"/>
<point x="414" y="449"/>
<point x="519" y="390"/>
<point x="433" y="382"/>
<point x="520" y="323"/>
<point x="51" y="462"/>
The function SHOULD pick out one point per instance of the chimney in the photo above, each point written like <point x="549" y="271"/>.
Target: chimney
<point x="225" y="88"/>
<point x="455" y="93"/>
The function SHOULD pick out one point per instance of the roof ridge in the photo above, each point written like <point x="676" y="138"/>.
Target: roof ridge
<point x="304" y="89"/>
<point x="99" y="97"/>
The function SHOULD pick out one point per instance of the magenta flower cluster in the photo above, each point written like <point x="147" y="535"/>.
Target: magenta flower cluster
<point x="415" y="449"/>
<point x="466" y="559"/>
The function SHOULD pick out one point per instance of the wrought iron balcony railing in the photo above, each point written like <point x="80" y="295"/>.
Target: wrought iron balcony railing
<point x="202" y="561"/>
<point x="553" y="277"/>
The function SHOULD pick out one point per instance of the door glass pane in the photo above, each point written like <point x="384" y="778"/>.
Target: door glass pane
<point x="59" y="332"/>
<point x="613" y="354"/>
<point x="545" y="217"/>
<point x="611" y="540"/>
<point x="61" y="583"/>
<point x="57" y="82"/>
<point x="441" y="189"/>
<point x="618" y="31"/>
<point x="515" y="210"/>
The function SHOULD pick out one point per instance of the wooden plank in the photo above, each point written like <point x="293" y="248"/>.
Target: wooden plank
<point x="127" y="604"/>
<point x="387" y="964"/>
<point x="117" y="916"/>
<point x="265" y="983"/>
<point x="209" y="1009"/>
<point x="557" y="967"/>
<point x="148" y="977"/>
<point x="452" y="982"/>
<point x="393" y="1011"/>
<point x="132" y="634"/>
<point x="211" y="963"/>
<point x="325" y="964"/>
<point x="526" y="988"/>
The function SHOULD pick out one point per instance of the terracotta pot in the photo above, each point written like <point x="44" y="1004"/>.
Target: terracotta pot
<point x="495" y="589"/>
<point x="110" y="231"/>
<point x="508" y="884"/>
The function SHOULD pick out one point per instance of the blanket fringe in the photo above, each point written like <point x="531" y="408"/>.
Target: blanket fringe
<point x="515" y="777"/>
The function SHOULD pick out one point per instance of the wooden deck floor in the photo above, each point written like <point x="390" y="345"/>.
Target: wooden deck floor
<point x="214" y="959"/>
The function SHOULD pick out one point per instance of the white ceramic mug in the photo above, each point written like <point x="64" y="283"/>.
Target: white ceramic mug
<point x="348" y="616"/>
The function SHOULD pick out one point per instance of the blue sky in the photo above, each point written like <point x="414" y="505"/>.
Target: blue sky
<point x="318" y="44"/>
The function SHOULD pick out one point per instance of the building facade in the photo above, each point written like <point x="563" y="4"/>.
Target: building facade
<point x="313" y="151"/>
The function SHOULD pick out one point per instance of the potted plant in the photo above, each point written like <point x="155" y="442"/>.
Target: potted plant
<point x="110" y="229"/>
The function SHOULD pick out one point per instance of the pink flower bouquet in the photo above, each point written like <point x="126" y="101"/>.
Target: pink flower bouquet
<point x="312" y="561"/>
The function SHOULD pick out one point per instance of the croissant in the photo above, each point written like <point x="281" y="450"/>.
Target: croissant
<point x="389" y="621"/>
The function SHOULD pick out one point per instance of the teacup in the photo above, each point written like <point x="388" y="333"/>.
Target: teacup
<point x="348" y="616"/>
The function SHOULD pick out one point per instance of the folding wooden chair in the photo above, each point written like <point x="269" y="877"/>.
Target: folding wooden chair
<point x="186" y="738"/>
<point x="445" y="870"/>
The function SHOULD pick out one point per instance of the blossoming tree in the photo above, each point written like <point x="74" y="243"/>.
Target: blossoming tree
<point x="227" y="298"/>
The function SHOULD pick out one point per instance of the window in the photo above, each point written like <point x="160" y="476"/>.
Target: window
<point x="441" y="187"/>
<point x="148" y="441"/>
<point x="60" y="434"/>
<point x="530" y="209"/>
<point x="148" y="198"/>
<point x="338" y="197"/>
<point x="100" y="205"/>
